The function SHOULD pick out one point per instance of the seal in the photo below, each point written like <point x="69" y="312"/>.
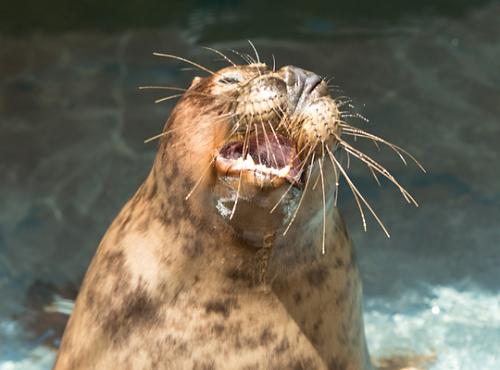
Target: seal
<point x="232" y="253"/>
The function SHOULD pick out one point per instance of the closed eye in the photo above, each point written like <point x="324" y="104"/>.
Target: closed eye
<point x="230" y="80"/>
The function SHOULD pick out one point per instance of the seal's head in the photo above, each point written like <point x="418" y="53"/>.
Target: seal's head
<point x="257" y="138"/>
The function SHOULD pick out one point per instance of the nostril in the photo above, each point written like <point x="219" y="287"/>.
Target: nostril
<point x="311" y="82"/>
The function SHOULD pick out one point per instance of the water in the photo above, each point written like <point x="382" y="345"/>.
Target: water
<point x="457" y="327"/>
<point x="72" y="124"/>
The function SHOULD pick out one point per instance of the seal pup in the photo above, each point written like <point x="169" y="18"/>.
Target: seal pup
<point x="232" y="253"/>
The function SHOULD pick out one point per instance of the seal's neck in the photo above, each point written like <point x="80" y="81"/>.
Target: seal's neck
<point x="250" y="244"/>
<point x="198" y="247"/>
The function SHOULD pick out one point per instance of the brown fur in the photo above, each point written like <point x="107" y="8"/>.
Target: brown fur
<point x="173" y="285"/>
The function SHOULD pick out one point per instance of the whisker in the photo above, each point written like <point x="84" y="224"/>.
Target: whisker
<point x="245" y="57"/>
<point x="356" y="198"/>
<point x="222" y="97"/>
<point x="328" y="79"/>
<point x="342" y="99"/>
<point x="374" y="175"/>
<point x="188" y="69"/>
<point x="320" y="163"/>
<point x="354" y="115"/>
<point x="156" y="137"/>
<point x="377" y="167"/>
<point x="200" y="179"/>
<point x="356" y="135"/>
<point x="355" y="190"/>
<point x="302" y="165"/>
<point x="162" y="88"/>
<point x="302" y="197"/>
<point x="335" y="173"/>
<point x="226" y="58"/>
<point x="226" y="115"/>
<point x="279" y="144"/>
<point x="254" y="50"/>
<point x="168" y="98"/>
<point x="239" y="180"/>
<point x="281" y="198"/>
<point x="316" y="182"/>
<point x="251" y="59"/>
<point x="237" y="196"/>
<point x="268" y="142"/>
<point x="361" y="133"/>
<point x="185" y="61"/>
<point x="283" y="119"/>
<point x="257" y="141"/>
<point x="380" y="169"/>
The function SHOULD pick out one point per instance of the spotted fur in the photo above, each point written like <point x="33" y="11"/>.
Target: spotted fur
<point x="175" y="286"/>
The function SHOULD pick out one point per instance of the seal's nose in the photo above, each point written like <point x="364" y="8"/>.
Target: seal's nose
<point x="300" y="84"/>
<point x="301" y="79"/>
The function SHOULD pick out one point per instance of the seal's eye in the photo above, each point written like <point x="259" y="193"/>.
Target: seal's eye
<point x="230" y="80"/>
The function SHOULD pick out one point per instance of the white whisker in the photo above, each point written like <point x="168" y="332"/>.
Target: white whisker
<point x="186" y="61"/>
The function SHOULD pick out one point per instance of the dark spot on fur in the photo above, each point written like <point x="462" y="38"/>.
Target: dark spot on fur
<point x="205" y="365"/>
<point x="297" y="297"/>
<point x="172" y="198"/>
<point x="111" y="267"/>
<point x="90" y="297"/>
<point x="317" y="276"/>
<point x="247" y="342"/>
<point x="339" y="262"/>
<point x="337" y="364"/>
<point x="317" y="324"/>
<point x="218" y="329"/>
<point x="301" y="364"/>
<point x="193" y="248"/>
<point x="238" y="337"/>
<point x="282" y="346"/>
<point x="122" y="226"/>
<point x="161" y="213"/>
<point x="153" y="190"/>
<point x="222" y="307"/>
<point x="342" y="295"/>
<point x="316" y="332"/>
<point x="267" y="337"/>
<point x="113" y="262"/>
<point x="143" y="223"/>
<point x="174" y="170"/>
<point x="136" y="311"/>
<point x="168" y="167"/>
<point x="240" y="275"/>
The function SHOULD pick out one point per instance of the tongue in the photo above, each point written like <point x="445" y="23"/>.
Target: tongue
<point x="270" y="150"/>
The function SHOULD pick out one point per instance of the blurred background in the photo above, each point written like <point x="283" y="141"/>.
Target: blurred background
<point x="426" y="74"/>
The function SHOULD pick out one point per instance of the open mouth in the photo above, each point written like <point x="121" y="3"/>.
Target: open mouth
<point x="263" y="160"/>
